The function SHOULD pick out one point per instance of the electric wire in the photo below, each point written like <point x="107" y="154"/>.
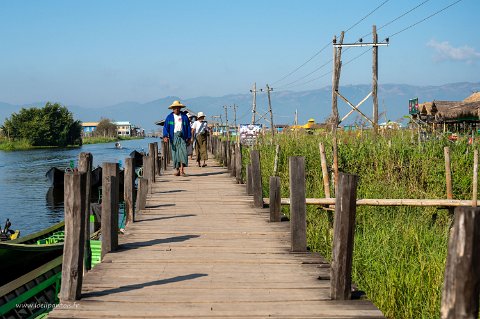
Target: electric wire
<point x="328" y="44"/>
<point x="386" y="24"/>
<point x="424" y="19"/>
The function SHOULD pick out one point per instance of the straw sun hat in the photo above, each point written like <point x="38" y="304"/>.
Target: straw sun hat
<point x="176" y="104"/>
<point x="200" y="114"/>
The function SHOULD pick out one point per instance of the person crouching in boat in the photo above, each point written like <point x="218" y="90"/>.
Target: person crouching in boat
<point x="177" y="130"/>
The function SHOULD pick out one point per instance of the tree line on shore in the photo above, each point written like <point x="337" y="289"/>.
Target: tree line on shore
<point x="50" y="126"/>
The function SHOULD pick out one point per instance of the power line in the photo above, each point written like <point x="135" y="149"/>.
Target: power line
<point x="303" y="77"/>
<point x="397" y="18"/>
<point x="386" y="24"/>
<point x="424" y="19"/>
<point x="369" y="14"/>
<point x="328" y="44"/>
<point x="298" y="68"/>
<point x="330" y="72"/>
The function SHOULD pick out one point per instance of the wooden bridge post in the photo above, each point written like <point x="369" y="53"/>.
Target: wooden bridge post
<point x="298" y="216"/>
<point x="142" y="194"/>
<point x="256" y="179"/>
<point x="343" y="235"/>
<point x="164" y="156"/>
<point x="461" y="286"/>
<point x="85" y="162"/>
<point x="74" y="243"/>
<point x="233" y="160"/>
<point x="238" y="163"/>
<point x="157" y="163"/>
<point x="151" y="153"/>
<point x="109" y="207"/>
<point x="229" y="155"/>
<point x="129" y="189"/>
<point x="225" y="154"/>
<point x="275" y="199"/>
<point x="249" y="185"/>
<point x="147" y="171"/>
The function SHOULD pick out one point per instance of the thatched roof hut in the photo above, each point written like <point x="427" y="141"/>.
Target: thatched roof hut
<point x="467" y="110"/>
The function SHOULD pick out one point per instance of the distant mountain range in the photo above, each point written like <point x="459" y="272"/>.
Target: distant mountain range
<point x="392" y="100"/>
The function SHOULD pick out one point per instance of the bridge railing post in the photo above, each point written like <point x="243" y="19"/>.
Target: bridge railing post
<point x="151" y="153"/>
<point x="129" y="189"/>
<point x="85" y="162"/>
<point x="142" y="194"/>
<point x="74" y="243"/>
<point x="461" y="286"/>
<point x="110" y="207"/>
<point x="275" y="199"/>
<point x="256" y="178"/>
<point x="249" y="186"/>
<point x="298" y="221"/>
<point x="343" y="236"/>
<point x="238" y="163"/>
<point x="157" y="162"/>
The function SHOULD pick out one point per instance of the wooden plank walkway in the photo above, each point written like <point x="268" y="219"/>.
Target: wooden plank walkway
<point x="201" y="250"/>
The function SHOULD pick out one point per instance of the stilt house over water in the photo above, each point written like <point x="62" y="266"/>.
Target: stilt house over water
<point x="452" y="116"/>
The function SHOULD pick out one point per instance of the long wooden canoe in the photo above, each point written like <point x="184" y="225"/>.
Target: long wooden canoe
<point x="19" y="256"/>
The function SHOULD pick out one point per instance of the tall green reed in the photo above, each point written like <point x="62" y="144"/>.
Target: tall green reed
<point x="400" y="252"/>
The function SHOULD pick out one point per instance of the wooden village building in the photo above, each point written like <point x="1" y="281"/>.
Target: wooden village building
<point x="451" y="116"/>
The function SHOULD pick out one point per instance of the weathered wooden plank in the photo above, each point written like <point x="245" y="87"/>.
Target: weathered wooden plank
<point x="212" y="255"/>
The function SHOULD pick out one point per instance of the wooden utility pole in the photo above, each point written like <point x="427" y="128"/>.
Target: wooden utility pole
<point x="235" y="119"/>
<point x="254" y="103"/>
<point x="375" y="79"/>
<point x="337" y="65"/>
<point x="375" y="44"/>
<point x="226" y="120"/>
<point x="269" y="89"/>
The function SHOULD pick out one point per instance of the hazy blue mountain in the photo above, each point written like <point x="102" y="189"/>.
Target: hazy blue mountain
<point x="393" y="104"/>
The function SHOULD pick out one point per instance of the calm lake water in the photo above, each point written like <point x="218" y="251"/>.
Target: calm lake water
<point x="25" y="194"/>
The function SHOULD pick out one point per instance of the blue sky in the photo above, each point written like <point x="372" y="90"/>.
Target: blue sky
<point x="98" y="53"/>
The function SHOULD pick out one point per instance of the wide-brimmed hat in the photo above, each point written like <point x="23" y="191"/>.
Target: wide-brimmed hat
<point x="176" y="104"/>
<point x="200" y="114"/>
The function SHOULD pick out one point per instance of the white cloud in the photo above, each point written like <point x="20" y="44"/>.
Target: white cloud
<point x="444" y="51"/>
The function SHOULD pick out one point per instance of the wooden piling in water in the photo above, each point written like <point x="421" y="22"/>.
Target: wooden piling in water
<point x="151" y="153"/>
<point x="85" y="162"/>
<point x="129" y="189"/>
<point x="142" y="194"/>
<point x="74" y="242"/>
<point x="109" y="207"/>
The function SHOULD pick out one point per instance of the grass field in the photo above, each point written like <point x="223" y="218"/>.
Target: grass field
<point x="400" y="252"/>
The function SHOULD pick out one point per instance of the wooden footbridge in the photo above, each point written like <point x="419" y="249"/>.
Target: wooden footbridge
<point x="201" y="249"/>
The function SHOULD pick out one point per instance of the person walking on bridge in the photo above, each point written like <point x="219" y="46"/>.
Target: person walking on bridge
<point x="177" y="130"/>
<point x="200" y="133"/>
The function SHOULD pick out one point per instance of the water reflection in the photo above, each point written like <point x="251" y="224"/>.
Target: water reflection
<point x="54" y="198"/>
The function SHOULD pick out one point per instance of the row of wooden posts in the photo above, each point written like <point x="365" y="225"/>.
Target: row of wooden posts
<point x="76" y="252"/>
<point x="462" y="272"/>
